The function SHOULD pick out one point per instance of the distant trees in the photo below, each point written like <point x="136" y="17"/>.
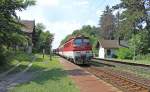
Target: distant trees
<point x="43" y="40"/>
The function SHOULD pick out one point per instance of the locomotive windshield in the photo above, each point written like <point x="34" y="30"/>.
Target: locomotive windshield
<point x="86" y="41"/>
<point x="80" y="42"/>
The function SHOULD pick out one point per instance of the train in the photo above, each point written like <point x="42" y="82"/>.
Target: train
<point x="77" y="49"/>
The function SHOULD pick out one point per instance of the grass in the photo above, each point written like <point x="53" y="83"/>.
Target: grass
<point x="139" y="71"/>
<point x="48" y="77"/>
<point x="16" y="58"/>
<point x="147" y="62"/>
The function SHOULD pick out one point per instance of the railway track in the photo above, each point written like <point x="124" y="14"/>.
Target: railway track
<point x="119" y="79"/>
<point x="120" y="62"/>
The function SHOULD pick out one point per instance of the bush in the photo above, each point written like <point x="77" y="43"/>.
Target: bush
<point x="22" y="56"/>
<point x="4" y="53"/>
<point x="124" y="53"/>
<point x="7" y="56"/>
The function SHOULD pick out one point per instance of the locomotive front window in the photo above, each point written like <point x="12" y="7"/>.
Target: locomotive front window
<point x="78" y="42"/>
<point x="86" y="41"/>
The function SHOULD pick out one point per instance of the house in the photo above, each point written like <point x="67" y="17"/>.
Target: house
<point x="29" y="29"/>
<point x="108" y="48"/>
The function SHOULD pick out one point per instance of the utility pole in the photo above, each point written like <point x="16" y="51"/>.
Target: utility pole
<point x="134" y="39"/>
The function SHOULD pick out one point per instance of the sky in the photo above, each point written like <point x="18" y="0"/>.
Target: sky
<point x="62" y="17"/>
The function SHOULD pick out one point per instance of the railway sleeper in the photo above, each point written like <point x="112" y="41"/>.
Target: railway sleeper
<point x="117" y="79"/>
<point x="138" y="89"/>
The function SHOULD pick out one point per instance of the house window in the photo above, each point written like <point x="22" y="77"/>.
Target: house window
<point x="108" y="52"/>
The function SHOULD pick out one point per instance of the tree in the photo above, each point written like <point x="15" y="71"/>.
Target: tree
<point x="10" y="28"/>
<point x="39" y="28"/>
<point x="140" y="41"/>
<point x="134" y="15"/>
<point x="43" y="40"/>
<point x="9" y="22"/>
<point x="107" y="24"/>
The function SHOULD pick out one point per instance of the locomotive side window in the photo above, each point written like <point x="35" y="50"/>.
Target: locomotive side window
<point x="78" y="42"/>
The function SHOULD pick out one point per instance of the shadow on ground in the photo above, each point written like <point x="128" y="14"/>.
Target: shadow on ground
<point x="77" y="72"/>
<point x="54" y="74"/>
<point x="101" y="64"/>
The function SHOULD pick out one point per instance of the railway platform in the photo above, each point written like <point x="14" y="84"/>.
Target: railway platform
<point x="84" y="80"/>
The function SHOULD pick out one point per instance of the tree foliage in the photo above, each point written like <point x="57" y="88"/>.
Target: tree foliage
<point x="9" y="22"/>
<point x="107" y="24"/>
<point x="135" y="14"/>
<point x="124" y="53"/>
<point x="43" y="39"/>
<point x="10" y="28"/>
<point x="140" y="42"/>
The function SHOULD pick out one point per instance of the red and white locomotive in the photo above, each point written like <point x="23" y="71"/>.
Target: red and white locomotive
<point x="78" y="49"/>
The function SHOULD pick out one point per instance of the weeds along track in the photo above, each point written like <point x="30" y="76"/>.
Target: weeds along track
<point x="120" y="62"/>
<point x="137" y="69"/>
<point x="120" y="79"/>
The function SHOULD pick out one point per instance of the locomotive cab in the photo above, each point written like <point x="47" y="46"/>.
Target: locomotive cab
<point x="82" y="50"/>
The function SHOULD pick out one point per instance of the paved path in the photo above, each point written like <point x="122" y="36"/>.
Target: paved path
<point x="86" y="81"/>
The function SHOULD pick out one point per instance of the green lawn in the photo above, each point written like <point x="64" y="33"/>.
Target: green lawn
<point x="13" y="59"/>
<point x="49" y="77"/>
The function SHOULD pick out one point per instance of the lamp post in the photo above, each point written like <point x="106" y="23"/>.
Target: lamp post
<point x="50" y="47"/>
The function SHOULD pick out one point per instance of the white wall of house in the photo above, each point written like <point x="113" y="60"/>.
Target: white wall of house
<point x="101" y="52"/>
